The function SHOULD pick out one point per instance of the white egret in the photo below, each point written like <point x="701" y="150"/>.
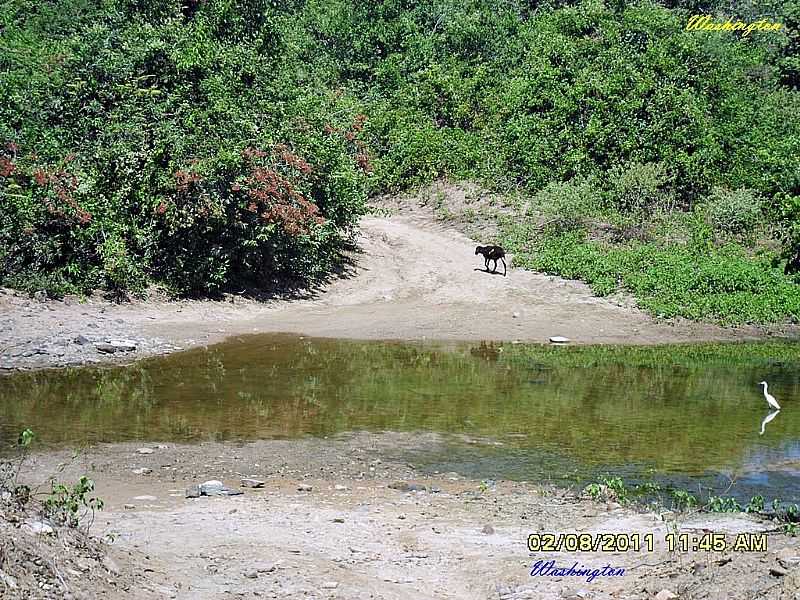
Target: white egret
<point x="770" y="398"/>
<point x="767" y="419"/>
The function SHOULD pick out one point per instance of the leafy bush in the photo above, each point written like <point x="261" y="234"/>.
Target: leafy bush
<point x="568" y="204"/>
<point x="735" y="212"/>
<point x="69" y="505"/>
<point x="636" y="187"/>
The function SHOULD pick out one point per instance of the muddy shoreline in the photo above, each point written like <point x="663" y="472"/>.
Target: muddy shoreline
<point x="411" y="279"/>
<point x="349" y="517"/>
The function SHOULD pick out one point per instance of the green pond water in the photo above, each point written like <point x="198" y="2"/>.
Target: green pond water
<point x="688" y="415"/>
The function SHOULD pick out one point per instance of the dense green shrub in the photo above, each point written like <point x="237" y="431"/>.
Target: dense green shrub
<point x="125" y="125"/>
<point x="722" y="284"/>
<point x="567" y="204"/>
<point x="635" y="188"/>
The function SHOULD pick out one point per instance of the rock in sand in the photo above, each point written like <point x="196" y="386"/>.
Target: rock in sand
<point x="252" y="483"/>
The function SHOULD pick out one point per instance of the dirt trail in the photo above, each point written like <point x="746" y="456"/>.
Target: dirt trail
<point x="412" y="278"/>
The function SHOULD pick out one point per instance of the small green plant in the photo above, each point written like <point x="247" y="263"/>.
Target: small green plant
<point x="69" y="505"/>
<point x="756" y="505"/>
<point x="485" y="485"/>
<point x="722" y="504"/>
<point x="793" y="513"/>
<point x="609" y="489"/>
<point x="25" y="438"/>
<point x="683" y="500"/>
<point x="594" y="491"/>
<point x="9" y="471"/>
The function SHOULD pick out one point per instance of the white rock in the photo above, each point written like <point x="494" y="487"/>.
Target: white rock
<point x="39" y="527"/>
<point x="330" y="585"/>
<point x="145" y="450"/>
<point x="142" y="471"/>
<point x="665" y="595"/>
<point x="558" y="339"/>
<point x="8" y="580"/>
<point x="211" y="487"/>
<point x="123" y="345"/>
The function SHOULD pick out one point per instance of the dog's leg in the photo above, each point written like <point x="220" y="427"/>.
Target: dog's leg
<point x="504" y="266"/>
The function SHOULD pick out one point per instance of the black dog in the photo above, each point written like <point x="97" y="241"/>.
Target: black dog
<point x="494" y="253"/>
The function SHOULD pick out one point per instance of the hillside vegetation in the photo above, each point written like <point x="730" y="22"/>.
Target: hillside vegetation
<point x="212" y="145"/>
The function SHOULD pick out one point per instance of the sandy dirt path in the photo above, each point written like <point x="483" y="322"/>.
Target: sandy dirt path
<point x="412" y="278"/>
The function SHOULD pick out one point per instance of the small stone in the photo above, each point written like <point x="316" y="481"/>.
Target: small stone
<point x="252" y="483"/>
<point x="145" y="451"/>
<point x="193" y="491"/>
<point x="330" y="585"/>
<point x="105" y="348"/>
<point x="82" y="340"/>
<point x="778" y="572"/>
<point x="142" y="471"/>
<point x="123" y="345"/>
<point x="251" y="574"/>
<point x="557" y="339"/>
<point x="788" y="557"/>
<point x="487" y="530"/>
<point x="665" y="595"/>
<point x="40" y="296"/>
<point x="145" y="498"/>
<point x="266" y="568"/>
<point x="304" y="487"/>
<point x="515" y="315"/>
<point x="216" y="488"/>
<point x="338" y="520"/>
<point x="128" y="506"/>
<point x="340" y="488"/>
<point x="403" y="486"/>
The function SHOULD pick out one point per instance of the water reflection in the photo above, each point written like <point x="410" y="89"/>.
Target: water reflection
<point x="767" y="419"/>
<point x="682" y="411"/>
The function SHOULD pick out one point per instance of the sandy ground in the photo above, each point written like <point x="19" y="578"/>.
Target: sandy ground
<point x="412" y="278"/>
<point x="352" y="536"/>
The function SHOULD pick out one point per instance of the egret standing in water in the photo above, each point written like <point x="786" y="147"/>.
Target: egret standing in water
<point x="770" y="398"/>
